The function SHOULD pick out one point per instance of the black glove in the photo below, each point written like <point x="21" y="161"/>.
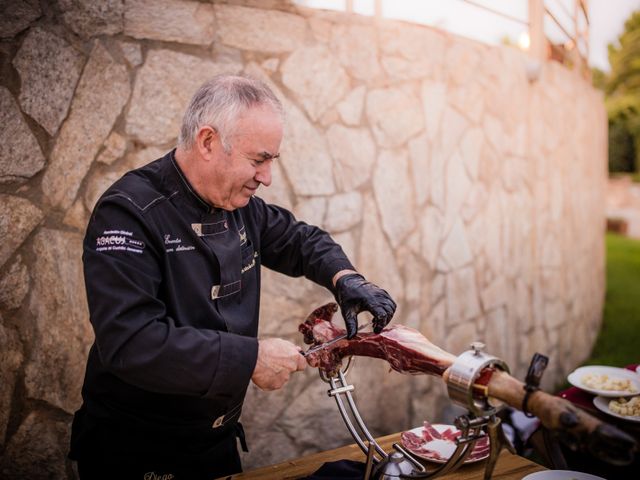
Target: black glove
<point x="355" y="295"/>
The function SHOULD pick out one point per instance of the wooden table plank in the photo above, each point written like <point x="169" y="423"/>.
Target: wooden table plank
<point x="508" y="467"/>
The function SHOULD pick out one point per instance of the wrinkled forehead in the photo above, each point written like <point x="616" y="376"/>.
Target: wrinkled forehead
<point x="260" y="128"/>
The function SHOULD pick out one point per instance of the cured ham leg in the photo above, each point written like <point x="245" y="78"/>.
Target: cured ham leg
<point x="408" y="351"/>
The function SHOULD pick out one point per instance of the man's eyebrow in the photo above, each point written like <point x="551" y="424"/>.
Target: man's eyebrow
<point x="268" y="156"/>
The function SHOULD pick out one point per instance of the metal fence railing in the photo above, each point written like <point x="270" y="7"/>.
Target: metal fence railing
<point x="550" y="30"/>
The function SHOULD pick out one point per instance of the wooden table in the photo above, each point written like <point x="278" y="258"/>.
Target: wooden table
<point x="511" y="467"/>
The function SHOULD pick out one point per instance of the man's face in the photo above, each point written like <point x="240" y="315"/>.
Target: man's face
<point x="234" y="176"/>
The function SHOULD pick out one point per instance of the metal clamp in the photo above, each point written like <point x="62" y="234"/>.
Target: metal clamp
<point x="462" y="380"/>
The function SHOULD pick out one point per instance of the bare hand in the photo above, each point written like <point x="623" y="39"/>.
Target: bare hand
<point x="277" y="359"/>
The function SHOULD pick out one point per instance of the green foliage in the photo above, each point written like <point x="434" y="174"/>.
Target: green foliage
<point x="619" y="338"/>
<point x="621" y="148"/>
<point x="625" y="59"/>
<point x="622" y="90"/>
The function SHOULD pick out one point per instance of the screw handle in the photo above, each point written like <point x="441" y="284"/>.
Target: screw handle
<point x="477" y="347"/>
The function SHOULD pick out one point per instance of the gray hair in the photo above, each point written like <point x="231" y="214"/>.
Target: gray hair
<point x="219" y="103"/>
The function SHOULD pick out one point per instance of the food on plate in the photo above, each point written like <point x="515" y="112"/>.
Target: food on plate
<point x="605" y="382"/>
<point x="438" y="443"/>
<point x="626" y="407"/>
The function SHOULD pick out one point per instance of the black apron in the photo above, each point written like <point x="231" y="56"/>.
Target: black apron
<point x="127" y="451"/>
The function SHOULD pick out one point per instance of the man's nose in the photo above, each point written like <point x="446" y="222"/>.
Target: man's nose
<point x="263" y="174"/>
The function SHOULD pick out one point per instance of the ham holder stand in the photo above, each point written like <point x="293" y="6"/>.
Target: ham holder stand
<point x="460" y="385"/>
<point x="479" y="382"/>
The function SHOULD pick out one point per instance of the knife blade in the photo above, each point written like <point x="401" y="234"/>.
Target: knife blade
<point x="324" y="345"/>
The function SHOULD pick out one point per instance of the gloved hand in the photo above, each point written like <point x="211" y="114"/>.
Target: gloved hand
<point x="355" y="295"/>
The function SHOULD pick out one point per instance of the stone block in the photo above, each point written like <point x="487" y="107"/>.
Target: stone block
<point x="419" y="154"/>
<point x="411" y="51"/>
<point x="10" y="360"/>
<point x="316" y="78"/>
<point x="140" y="157"/>
<point x="344" y="211"/>
<point x="18" y="217"/>
<point x="350" y="109"/>
<point x="305" y="156"/>
<point x="458" y="187"/>
<point x="431" y="235"/>
<point x="469" y="99"/>
<point x="354" y="153"/>
<point x="49" y="70"/>
<point x="20" y="154"/>
<point x="14" y="285"/>
<point x="271" y="64"/>
<point x="77" y="216"/>
<point x="394" y="197"/>
<point x="470" y="149"/>
<point x="452" y="134"/>
<point x="272" y="31"/>
<point x="89" y="18"/>
<point x="312" y="210"/>
<point x="499" y="337"/>
<point x="460" y="337"/>
<point x="394" y="116"/>
<point x="495" y="133"/>
<point x="357" y="49"/>
<point x="38" y="449"/>
<point x="17" y="15"/>
<point x="98" y="183"/>
<point x="132" y="52"/>
<point x="180" y="21"/>
<point x="62" y="333"/>
<point x="164" y="85"/>
<point x="114" y="148"/>
<point x="376" y="258"/>
<point x="348" y="243"/>
<point x="455" y="249"/>
<point x="461" y="61"/>
<point x="463" y="303"/>
<point x="90" y="121"/>
<point x="434" y="100"/>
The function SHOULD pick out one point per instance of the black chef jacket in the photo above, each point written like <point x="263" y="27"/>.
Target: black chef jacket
<point x="173" y="287"/>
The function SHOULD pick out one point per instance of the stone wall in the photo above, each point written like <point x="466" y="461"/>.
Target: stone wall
<point x="475" y="196"/>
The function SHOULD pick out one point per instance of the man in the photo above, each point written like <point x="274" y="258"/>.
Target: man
<point x="172" y="260"/>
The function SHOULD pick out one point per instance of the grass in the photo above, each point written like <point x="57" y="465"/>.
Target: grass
<point x="618" y="343"/>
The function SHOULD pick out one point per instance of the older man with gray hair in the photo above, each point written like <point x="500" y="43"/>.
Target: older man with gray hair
<point x="172" y="259"/>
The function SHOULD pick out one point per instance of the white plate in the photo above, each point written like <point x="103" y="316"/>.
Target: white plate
<point x="438" y="451"/>
<point x="638" y="369"/>
<point x="575" y="379"/>
<point x="561" y="475"/>
<point x="602" y="404"/>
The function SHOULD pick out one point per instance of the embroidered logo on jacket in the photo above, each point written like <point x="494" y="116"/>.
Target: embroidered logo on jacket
<point x="118" y="240"/>
<point x="174" y="244"/>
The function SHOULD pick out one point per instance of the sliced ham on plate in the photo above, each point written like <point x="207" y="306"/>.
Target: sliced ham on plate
<point x="436" y="443"/>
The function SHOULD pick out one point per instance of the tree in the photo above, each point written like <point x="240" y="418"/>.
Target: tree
<point x="622" y="90"/>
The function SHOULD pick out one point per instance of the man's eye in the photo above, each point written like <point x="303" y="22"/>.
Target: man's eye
<point x="258" y="161"/>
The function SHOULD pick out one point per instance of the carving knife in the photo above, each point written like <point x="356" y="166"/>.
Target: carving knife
<point x="324" y="345"/>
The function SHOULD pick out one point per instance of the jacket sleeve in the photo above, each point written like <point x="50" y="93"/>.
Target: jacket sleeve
<point x="296" y="248"/>
<point x="135" y="337"/>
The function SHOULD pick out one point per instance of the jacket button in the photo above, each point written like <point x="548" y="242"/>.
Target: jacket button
<point x="218" y="421"/>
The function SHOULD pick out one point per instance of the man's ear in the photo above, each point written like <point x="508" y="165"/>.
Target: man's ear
<point x="207" y="140"/>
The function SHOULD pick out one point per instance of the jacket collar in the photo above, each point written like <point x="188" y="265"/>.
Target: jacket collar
<point x="179" y="179"/>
